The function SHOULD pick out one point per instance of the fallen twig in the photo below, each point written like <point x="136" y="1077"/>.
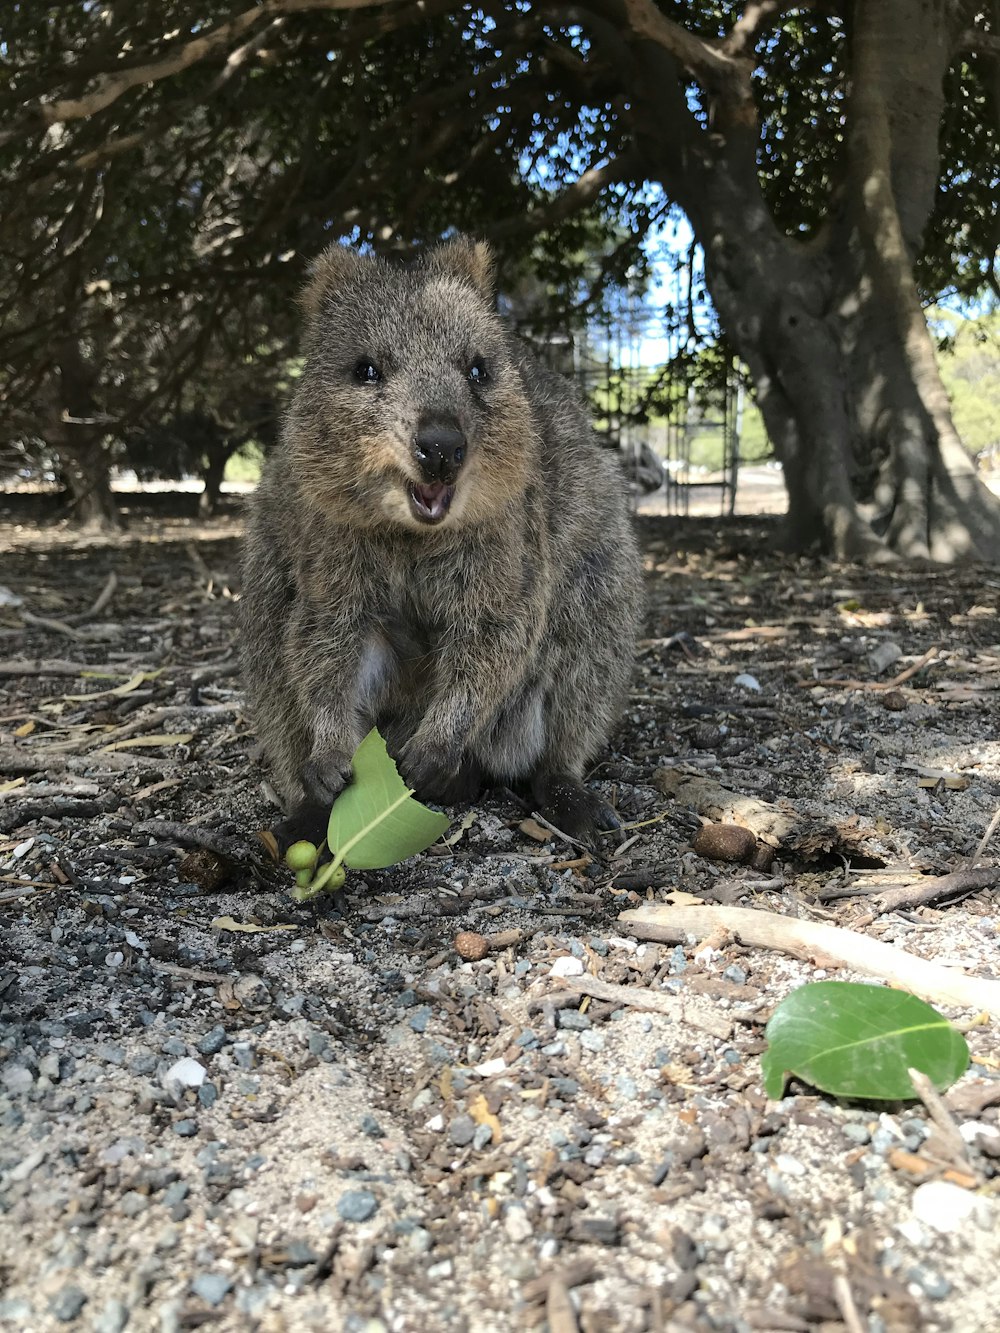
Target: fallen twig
<point x="937" y="888"/>
<point x="189" y="835"/>
<point x="559" y="1312"/>
<point x="991" y="828"/>
<point x="850" y="684"/>
<point x="573" y="842"/>
<point x="951" y="1137"/>
<point x="103" y="598"/>
<point x="822" y="944"/>
<point x="39" y="666"/>
<point x="641" y="997"/>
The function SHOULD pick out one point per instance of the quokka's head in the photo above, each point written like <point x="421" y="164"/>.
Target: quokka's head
<point x="410" y="409"/>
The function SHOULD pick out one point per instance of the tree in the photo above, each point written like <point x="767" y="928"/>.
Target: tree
<point x="804" y="142"/>
<point x="156" y="232"/>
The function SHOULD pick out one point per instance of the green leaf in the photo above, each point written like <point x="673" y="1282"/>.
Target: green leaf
<point x="376" y="822"/>
<point x="858" y="1041"/>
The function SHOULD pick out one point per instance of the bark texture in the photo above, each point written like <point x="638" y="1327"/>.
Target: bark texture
<point x="832" y="329"/>
<point x="77" y="438"/>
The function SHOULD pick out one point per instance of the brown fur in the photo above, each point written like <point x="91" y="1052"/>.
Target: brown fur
<point x="494" y="644"/>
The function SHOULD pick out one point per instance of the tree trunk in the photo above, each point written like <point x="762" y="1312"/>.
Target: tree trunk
<point x="831" y="328"/>
<point x="84" y="473"/>
<point x="78" y="440"/>
<point x="212" y="474"/>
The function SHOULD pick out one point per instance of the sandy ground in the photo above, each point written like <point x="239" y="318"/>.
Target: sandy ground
<point x="220" y="1107"/>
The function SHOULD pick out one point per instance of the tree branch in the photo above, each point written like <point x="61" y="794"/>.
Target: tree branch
<point x="108" y="88"/>
<point x="708" y="60"/>
<point x="572" y="197"/>
<point x="983" y="43"/>
<point x="758" y="13"/>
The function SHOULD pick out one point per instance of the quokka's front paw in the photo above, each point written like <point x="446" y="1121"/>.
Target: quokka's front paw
<point x="325" y="775"/>
<point x="306" y="822"/>
<point x="440" y="774"/>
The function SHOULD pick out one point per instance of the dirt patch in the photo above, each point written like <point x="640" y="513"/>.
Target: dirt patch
<point x="331" y="1121"/>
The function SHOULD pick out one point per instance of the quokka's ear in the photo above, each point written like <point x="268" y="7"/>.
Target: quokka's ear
<point x="331" y="270"/>
<point x="465" y="258"/>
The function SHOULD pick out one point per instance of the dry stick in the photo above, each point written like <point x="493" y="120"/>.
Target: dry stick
<point x="874" y="684"/>
<point x="103" y="598"/>
<point x="188" y="835"/>
<point x="935" y="888"/>
<point x="640" y="997"/>
<point x="825" y="945"/>
<point x="559" y="1312"/>
<point x="991" y="828"/>
<point x="54" y="666"/>
<point x="845" y="1304"/>
<point x="942" y="1117"/>
<point x="573" y="1275"/>
<point x="62" y="627"/>
<point x="573" y="842"/>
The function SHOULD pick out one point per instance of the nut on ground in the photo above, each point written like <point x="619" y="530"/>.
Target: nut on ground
<point x="471" y="946"/>
<point x="724" y="842"/>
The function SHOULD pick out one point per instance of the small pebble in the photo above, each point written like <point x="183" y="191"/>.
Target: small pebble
<point x="788" y="1165"/>
<point x="857" y="1133"/>
<point x="357" y="1205"/>
<point x="175" y="1193"/>
<point x="211" y="1287"/>
<point x="462" y="1130"/>
<point x="933" y="1284"/>
<point x="420" y="1018"/>
<point x="67" y="1303"/>
<point x="517" y="1225"/>
<point x="724" y="842"/>
<point x="213" y="1041"/>
<point x="482" y="1138"/>
<point x="186" y="1073"/>
<point x="186" y="1129"/>
<point x="18" y="1079"/>
<point x="567" y="966"/>
<point x="573" y="1020"/>
<point x="112" y="1318"/>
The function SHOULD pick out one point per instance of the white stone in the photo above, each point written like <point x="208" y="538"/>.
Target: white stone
<point x="567" y="966"/>
<point x="943" y="1206"/>
<point x="185" y="1073"/>
<point x="516" y="1225"/>
<point x="747" y="682"/>
<point x="490" y="1067"/>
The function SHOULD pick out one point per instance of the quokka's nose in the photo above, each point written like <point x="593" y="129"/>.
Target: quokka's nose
<point x="440" y="451"/>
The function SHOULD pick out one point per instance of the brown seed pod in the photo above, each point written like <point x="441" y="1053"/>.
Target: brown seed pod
<point x="894" y="701"/>
<point x="471" y="946"/>
<point x="724" y="842"/>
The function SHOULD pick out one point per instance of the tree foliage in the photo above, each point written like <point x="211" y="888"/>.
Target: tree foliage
<point x="167" y="171"/>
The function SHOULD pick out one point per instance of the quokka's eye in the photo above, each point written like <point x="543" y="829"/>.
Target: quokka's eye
<point x="477" y="373"/>
<point x="367" y="372"/>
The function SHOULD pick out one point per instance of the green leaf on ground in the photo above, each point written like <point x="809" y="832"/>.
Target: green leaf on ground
<point x="375" y="822"/>
<point x="858" y="1041"/>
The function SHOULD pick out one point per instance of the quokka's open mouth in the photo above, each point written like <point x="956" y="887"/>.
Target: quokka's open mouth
<point x="431" y="501"/>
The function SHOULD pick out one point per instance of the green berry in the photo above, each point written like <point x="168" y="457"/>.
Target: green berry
<point x="301" y="856"/>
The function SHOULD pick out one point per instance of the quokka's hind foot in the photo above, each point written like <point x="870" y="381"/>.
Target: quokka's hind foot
<point x="575" y="809"/>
